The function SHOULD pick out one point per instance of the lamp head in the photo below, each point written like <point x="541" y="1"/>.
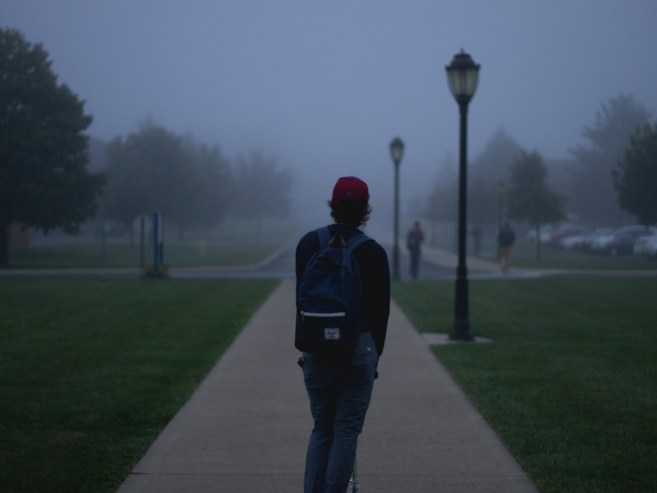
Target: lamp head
<point x="462" y="77"/>
<point x="396" y="150"/>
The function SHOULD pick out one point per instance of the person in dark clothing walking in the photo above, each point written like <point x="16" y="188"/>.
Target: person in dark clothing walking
<point x="413" y="242"/>
<point x="505" y="239"/>
<point x="340" y="389"/>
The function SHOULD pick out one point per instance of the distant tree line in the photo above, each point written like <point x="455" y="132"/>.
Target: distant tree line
<point x="45" y="181"/>
<point x="193" y="184"/>
<point x="614" y="174"/>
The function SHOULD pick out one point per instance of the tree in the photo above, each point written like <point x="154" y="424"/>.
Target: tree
<point x="493" y="162"/>
<point x="488" y="169"/>
<point x="149" y="170"/>
<point x="529" y="198"/>
<point x="443" y="198"/>
<point x="636" y="180"/>
<point x="593" y="194"/>
<point x="482" y="201"/>
<point x="260" y="189"/>
<point x="43" y="152"/>
<point x="212" y="183"/>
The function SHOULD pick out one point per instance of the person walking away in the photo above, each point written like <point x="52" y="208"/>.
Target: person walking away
<point x="340" y="386"/>
<point x="505" y="239"/>
<point x="413" y="241"/>
<point x="476" y="239"/>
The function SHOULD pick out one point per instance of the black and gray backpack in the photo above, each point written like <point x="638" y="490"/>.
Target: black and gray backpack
<point x="329" y="298"/>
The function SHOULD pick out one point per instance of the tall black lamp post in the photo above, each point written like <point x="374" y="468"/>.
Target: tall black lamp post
<point x="396" y="151"/>
<point x="462" y="75"/>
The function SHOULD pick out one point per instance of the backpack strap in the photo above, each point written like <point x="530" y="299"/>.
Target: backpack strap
<point x="357" y="241"/>
<point x="324" y="236"/>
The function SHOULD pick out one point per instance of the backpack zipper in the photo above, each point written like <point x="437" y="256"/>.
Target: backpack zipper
<point x="335" y="314"/>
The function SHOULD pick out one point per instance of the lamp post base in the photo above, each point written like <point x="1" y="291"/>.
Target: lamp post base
<point x="461" y="331"/>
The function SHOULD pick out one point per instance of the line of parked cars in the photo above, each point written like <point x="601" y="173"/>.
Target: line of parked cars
<point x="628" y="240"/>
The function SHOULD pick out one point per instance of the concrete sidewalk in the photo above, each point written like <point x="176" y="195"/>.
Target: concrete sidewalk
<point x="246" y="427"/>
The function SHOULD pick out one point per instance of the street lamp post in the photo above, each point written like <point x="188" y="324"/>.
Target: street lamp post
<point x="500" y="213"/>
<point x="462" y="75"/>
<point x="396" y="151"/>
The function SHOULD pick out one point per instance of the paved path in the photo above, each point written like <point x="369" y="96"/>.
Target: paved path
<point x="435" y="264"/>
<point x="246" y="427"/>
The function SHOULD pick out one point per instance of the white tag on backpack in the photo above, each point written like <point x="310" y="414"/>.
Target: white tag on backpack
<point x="332" y="334"/>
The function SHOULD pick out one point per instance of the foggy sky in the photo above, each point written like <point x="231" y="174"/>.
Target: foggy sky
<point x="326" y="85"/>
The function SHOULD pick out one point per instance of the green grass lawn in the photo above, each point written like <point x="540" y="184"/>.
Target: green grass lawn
<point x="176" y="254"/>
<point x="524" y="255"/>
<point x="92" y="371"/>
<point x="570" y="381"/>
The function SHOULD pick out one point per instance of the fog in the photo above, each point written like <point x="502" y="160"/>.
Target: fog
<point x="326" y="85"/>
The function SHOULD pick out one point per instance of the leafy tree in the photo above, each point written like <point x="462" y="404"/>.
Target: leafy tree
<point x="492" y="164"/>
<point x="593" y="195"/>
<point x="149" y="170"/>
<point x="212" y="183"/>
<point x="482" y="201"/>
<point x="637" y="179"/>
<point x="43" y="152"/>
<point x="260" y="189"/>
<point x="529" y="198"/>
<point x="489" y="168"/>
<point x="443" y="198"/>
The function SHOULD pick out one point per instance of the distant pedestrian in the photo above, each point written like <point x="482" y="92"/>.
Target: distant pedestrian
<point x="476" y="239"/>
<point x="505" y="239"/>
<point x="413" y="242"/>
<point x="340" y="385"/>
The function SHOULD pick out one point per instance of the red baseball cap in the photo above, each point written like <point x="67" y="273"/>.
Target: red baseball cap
<point x="350" y="187"/>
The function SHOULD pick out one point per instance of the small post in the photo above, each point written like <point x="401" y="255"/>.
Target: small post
<point x="142" y="239"/>
<point x="161" y="237"/>
<point x="102" y="235"/>
<point x="156" y="244"/>
<point x="395" y="252"/>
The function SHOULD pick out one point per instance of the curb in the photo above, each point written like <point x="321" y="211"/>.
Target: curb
<point x="137" y="271"/>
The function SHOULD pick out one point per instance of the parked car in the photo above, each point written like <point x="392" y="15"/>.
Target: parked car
<point x="575" y="242"/>
<point x="592" y="236"/>
<point x="646" y="245"/>
<point x="562" y="232"/>
<point x="650" y="249"/>
<point x="621" y="241"/>
<point x="545" y="231"/>
<point x="583" y="241"/>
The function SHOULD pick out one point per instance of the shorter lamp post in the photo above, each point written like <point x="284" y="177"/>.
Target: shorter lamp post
<point x="396" y="151"/>
<point x="500" y="213"/>
<point x="462" y="75"/>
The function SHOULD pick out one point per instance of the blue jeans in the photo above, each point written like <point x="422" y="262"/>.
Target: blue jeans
<point x="340" y="394"/>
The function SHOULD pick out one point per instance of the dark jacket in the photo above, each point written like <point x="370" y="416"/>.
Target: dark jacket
<point x="375" y="277"/>
<point x="506" y="237"/>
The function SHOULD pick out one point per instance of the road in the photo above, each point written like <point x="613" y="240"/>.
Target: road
<point x="282" y="267"/>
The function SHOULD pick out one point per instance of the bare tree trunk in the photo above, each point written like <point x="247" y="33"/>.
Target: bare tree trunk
<point x="4" y="245"/>
<point x="538" y="243"/>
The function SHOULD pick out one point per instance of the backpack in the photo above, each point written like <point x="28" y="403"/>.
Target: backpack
<point x="506" y="237"/>
<point x="329" y="307"/>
